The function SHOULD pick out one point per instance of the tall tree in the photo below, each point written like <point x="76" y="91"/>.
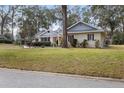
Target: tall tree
<point x="106" y="17"/>
<point x="14" y="9"/>
<point x="64" y="12"/>
<point x="87" y="15"/>
<point x="72" y="18"/>
<point x="33" y="19"/>
<point x="74" y="15"/>
<point x="120" y="16"/>
<point x="4" y="12"/>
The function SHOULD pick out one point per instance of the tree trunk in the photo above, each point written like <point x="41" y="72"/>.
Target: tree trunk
<point x="111" y="34"/>
<point x="1" y="29"/>
<point x="123" y="26"/>
<point x="3" y="19"/>
<point x="2" y="25"/>
<point x="64" y="12"/>
<point x="12" y="25"/>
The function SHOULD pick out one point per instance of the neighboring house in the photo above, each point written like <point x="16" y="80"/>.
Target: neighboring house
<point x="49" y="36"/>
<point x="83" y="31"/>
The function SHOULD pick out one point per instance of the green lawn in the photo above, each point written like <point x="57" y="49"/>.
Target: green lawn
<point x="94" y="62"/>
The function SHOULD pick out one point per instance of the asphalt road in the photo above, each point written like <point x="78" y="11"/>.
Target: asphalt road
<point x="10" y="78"/>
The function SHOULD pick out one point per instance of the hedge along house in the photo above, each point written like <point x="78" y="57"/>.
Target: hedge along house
<point x="83" y="31"/>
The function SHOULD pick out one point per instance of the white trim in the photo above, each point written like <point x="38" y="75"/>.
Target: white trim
<point x="98" y="31"/>
<point x="82" y="23"/>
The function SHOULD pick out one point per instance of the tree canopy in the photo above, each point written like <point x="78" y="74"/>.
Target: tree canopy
<point x="30" y="19"/>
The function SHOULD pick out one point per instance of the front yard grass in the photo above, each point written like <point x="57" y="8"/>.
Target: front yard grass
<point x="82" y="61"/>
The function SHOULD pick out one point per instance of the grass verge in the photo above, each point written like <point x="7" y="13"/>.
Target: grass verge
<point x="93" y="62"/>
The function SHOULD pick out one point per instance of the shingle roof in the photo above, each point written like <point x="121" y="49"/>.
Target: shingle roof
<point x="48" y="33"/>
<point x="82" y="27"/>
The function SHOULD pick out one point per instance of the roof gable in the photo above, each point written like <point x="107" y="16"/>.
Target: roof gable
<point x="48" y="33"/>
<point x="80" y="27"/>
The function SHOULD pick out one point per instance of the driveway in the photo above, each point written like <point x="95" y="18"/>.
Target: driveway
<point x="32" y="79"/>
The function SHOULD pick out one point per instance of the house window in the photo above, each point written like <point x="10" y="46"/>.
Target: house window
<point x="90" y="36"/>
<point x="45" y="39"/>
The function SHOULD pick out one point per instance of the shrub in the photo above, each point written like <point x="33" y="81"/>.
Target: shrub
<point x="84" y="44"/>
<point x="61" y="42"/>
<point x="48" y="43"/>
<point x="36" y="40"/>
<point x="106" y="42"/>
<point x="3" y="39"/>
<point x="78" y="44"/>
<point x="29" y="43"/>
<point x="97" y="44"/>
<point x="40" y="44"/>
<point x="17" y="42"/>
<point x="54" y="44"/>
<point x="118" y="38"/>
<point x="74" y="42"/>
<point x="115" y="39"/>
<point x="8" y="36"/>
<point x="23" y="41"/>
